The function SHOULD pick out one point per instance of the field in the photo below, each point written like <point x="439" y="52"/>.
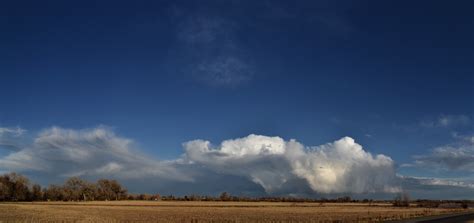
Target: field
<point x="176" y="211"/>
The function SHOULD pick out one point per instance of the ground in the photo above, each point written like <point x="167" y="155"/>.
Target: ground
<point x="180" y="211"/>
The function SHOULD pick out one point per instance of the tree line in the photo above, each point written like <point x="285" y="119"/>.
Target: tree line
<point x="16" y="187"/>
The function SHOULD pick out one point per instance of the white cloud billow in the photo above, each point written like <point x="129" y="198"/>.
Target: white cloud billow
<point x="343" y="166"/>
<point x="339" y="167"/>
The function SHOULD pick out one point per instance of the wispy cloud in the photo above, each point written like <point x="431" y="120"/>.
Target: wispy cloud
<point x="457" y="156"/>
<point x="463" y="138"/>
<point x="335" y="24"/>
<point x="12" y="131"/>
<point x="8" y="137"/>
<point x="438" y="188"/>
<point x="90" y="152"/>
<point x="224" y="70"/>
<point x="205" y="29"/>
<point x="215" y="49"/>
<point x="446" y="121"/>
<point x="445" y="182"/>
<point x="435" y="123"/>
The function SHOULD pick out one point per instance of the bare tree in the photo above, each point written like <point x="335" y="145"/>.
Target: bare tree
<point x="224" y="196"/>
<point x="111" y="190"/>
<point x="402" y="200"/>
<point x="4" y="189"/>
<point x="118" y="191"/>
<point x="73" y="188"/>
<point x="36" y="193"/>
<point x="54" y="193"/>
<point x="79" y="189"/>
<point x="14" y="187"/>
<point x="89" y="191"/>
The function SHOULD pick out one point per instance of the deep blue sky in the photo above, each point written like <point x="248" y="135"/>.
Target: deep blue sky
<point x="165" y="72"/>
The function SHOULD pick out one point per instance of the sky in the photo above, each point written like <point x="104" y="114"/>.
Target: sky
<point x="300" y="98"/>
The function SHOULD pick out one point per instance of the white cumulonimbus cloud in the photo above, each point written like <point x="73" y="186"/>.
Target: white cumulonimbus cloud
<point x="271" y="162"/>
<point x="338" y="167"/>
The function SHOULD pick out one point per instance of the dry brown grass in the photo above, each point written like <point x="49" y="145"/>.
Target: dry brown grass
<point x="235" y="212"/>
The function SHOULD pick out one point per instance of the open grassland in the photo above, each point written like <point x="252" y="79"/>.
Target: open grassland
<point x="178" y="211"/>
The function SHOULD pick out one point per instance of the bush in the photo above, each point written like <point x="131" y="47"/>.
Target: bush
<point x="401" y="200"/>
